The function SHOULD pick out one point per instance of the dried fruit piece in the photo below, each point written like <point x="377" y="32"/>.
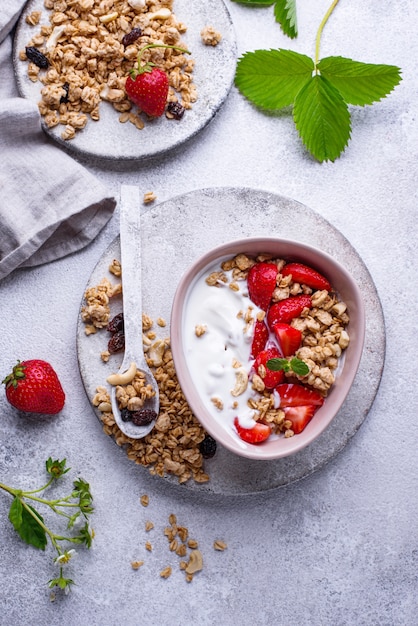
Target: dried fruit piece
<point x="64" y="99"/>
<point x="141" y="417"/>
<point x="115" y="324"/>
<point x="116" y="342"/>
<point x="131" y="37"/>
<point x="208" y="447"/>
<point x="176" y="110"/>
<point x="37" y="57"/>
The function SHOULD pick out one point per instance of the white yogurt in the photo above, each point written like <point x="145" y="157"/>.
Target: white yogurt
<point x="227" y="339"/>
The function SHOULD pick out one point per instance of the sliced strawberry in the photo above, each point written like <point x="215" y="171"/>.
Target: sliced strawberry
<point x="270" y="378"/>
<point x="258" y="433"/>
<point x="289" y="338"/>
<point x="300" y="416"/>
<point x="261" y="283"/>
<point x="293" y="394"/>
<point x="261" y="334"/>
<point x="286" y="310"/>
<point x="306" y="275"/>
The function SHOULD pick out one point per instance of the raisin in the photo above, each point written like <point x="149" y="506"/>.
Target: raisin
<point x="115" y="324"/>
<point x="37" y="57"/>
<point x="208" y="447"/>
<point x="131" y="37"/>
<point x="143" y="417"/>
<point x="125" y="415"/>
<point x="116" y="342"/>
<point x="176" y="110"/>
<point x="64" y="98"/>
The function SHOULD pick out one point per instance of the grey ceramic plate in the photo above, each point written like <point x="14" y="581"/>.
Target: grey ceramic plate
<point x="213" y="76"/>
<point x="180" y="230"/>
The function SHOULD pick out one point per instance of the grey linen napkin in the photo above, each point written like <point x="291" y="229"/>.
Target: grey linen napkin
<point x="50" y="206"/>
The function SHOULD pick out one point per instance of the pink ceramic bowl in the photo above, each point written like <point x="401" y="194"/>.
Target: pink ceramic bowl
<point x="347" y="291"/>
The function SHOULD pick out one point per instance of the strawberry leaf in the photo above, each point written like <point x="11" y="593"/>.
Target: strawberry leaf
<point x="29" y="529"/>
<point x="15" y="513"/>
<point x="322" y="119"/>
<point x="285" y="14"/>
<point x="271" y="79"/>
<point x="359" y="83"/>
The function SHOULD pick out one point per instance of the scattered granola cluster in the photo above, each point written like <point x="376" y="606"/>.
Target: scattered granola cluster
<point x="180" y="543"/>
<point x="210" y="36"/>
<point x="87" y="50"/>
<point x="174" y="444"/>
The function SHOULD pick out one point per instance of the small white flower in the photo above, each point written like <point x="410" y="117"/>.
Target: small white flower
<point x="65" y="557"/>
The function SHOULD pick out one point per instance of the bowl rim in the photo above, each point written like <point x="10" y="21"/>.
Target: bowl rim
<point x="230" y="441"/>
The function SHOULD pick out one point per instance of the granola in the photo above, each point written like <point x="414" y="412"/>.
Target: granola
<point x="172" y="447"/>
<point x="90" y="47"/>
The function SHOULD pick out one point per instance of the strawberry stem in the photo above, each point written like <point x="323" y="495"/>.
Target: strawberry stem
<point x="140" y="69"/>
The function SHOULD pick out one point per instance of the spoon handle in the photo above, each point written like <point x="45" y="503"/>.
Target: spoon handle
<point x="130" y="243"/>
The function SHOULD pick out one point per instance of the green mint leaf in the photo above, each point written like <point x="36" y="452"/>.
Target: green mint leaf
<point x="299" y="367"/>
<point x="359" y="83"/>
<point x="322" y="119"/>
<point x="285" y="14"/>
<point x="271" y="79"/>
<point x="276" y="365"/>
<point x="15" y="513"/>
<point x="255" y="3"/>
<point x="30" y="530"/>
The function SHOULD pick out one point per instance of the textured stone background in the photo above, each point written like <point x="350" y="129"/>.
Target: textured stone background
<point x="336" y="548"/>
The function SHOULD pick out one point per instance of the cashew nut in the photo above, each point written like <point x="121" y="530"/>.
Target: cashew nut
<point x="110" y="17"/>
<point x="105" y="407"/>
<point x="123" y="378"/>
<point x="195" y="563"/>
<point x="156" y="352"/>
<point x="162" y="14"/>
<point x="241" y="382"/>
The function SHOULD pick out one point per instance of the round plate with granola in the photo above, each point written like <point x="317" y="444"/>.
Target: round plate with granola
<point x="72" y="60"/>
<point x="178" y="449"/>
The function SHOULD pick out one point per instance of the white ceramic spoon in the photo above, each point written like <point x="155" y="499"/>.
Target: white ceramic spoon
<point x="134" y="358"/>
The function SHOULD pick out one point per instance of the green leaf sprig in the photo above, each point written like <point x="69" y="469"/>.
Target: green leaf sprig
<point x="294" y="364"/>
<point x="31" y="526"/>
<point x="319" y="90"/>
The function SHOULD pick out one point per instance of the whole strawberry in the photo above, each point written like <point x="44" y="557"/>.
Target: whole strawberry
<point x="34" y="387"/>
<point x="149" y="90"/>
<point x="147" y="85"/>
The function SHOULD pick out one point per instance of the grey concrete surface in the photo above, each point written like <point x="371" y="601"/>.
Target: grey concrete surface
<point x="340" y="546"/>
